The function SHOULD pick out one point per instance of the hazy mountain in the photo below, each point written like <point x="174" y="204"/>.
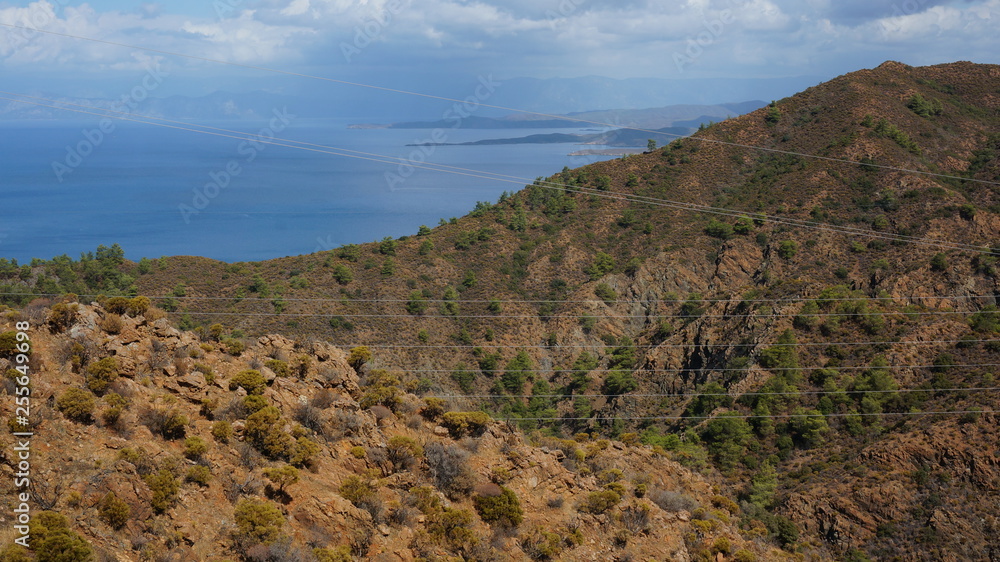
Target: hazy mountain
<point x="647" y="118"/>
<point x="555" y="96"/>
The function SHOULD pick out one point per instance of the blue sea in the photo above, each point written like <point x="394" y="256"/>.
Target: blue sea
<point x="67" y="187"/>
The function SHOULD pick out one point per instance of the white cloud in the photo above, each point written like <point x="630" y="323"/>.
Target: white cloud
<point x="296" y="8"/>
<point x="619" y="38"/>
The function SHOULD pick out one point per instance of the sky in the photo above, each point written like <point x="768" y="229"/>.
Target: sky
<point x="417" y="44"/>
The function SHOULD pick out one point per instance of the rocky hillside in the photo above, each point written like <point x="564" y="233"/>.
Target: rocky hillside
<point x="153" y="443"/>
<point x="813" y="325"/>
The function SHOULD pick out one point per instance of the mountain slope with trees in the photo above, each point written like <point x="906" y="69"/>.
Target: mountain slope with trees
<point x="799" y="302"/>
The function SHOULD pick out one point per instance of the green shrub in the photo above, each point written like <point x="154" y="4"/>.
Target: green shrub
<point x="114" y="511"/>
<point x="249" y="380"/>
<point x="112" y="415"/>
<point x="15" y="553"/>
<point x="349" y="252"/>
<point x="381" y="390"/>
<point x="606" y="293"/>
<point x="279" y="367"/>
<point x="234" y="346"/>
<point x="169" y="424"/>
<point x="717" y="229"/>
<point x="503" y="509"/>
<point x="619" y="382"/>
<point x="460" y="423"/>
<point x="464" y="377"/>
<point x="783" y="529"/>
<point x="282" y="476"/>
<point x="692" y="307"/>
<point x="516" y="372"/>
<point x="303" y="452"/>
<point x="357" y="490"/>
<point x="9" y="345"/>
<point x="53" y="541"/>
<point x="967" y="211"/>
<point x="359" y="356"/>
<point x="343" y="274"/>
<point x="540" y="544"/>
<point x="885" y="129"/>
<point x="787" y="249"/>
<point x="222" y="431"/>
<point x="137" y="306"/>
<point x="264" y="431"/>
<point x="257" y="522"/>
<point x="199" y="474"/>
<point x="727" y="436"/>
<point x="599" y="502"/>
<point x="417" y="303"/>
<point x="743" y="226"/>
<point x="939" y="262"/>
<point x="404" y="452"/>
<point x="452" y="527"/>
<point x="773" y="114"/>
<point x="76" y="404"/>
<point x="721" y="545"/>
<point x="388" y="268"/>
<point x="986" y="320"/>
<point x="164" y="486"/>
<point x="254" y="403"/>
<point x="924" y="107"/>
<point x="601" y="266"/>
<point x="387" y="246"/>
<point x="115" y="305"/>
<point x="63" y="315"/>
<point x="100" y="374"/>
<point x="195" y="447"/>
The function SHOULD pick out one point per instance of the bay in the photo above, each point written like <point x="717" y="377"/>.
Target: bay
<point x="65" y="189"/>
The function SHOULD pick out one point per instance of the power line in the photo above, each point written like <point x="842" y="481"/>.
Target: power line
<point x="481" y="103"/>
<point x="632" y="198"/>
<point x="700" y="394"/>
<point x="664" y="345"/>
<point x="276" y="142"/>
<point x="444" y="316"/>
<point x="351" y="300"/>
<point x="641" y="370"/>
<point x="750" y="416"/>
<point x="335" y="151"/>
<point x="127" y="114"/>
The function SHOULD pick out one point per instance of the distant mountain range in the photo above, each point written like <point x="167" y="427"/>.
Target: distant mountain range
<point x="549" y="96"/>
<point x="616" y="137"/>
<point x="682" y="115"/>
<point x="634" y="127"/>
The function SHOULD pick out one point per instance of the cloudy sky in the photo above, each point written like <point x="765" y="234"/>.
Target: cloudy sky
<point x="417" y="43"/>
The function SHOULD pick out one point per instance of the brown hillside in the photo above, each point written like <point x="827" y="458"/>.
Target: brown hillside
<point x="833" y="319"/>
<point x="399" y="481"/>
